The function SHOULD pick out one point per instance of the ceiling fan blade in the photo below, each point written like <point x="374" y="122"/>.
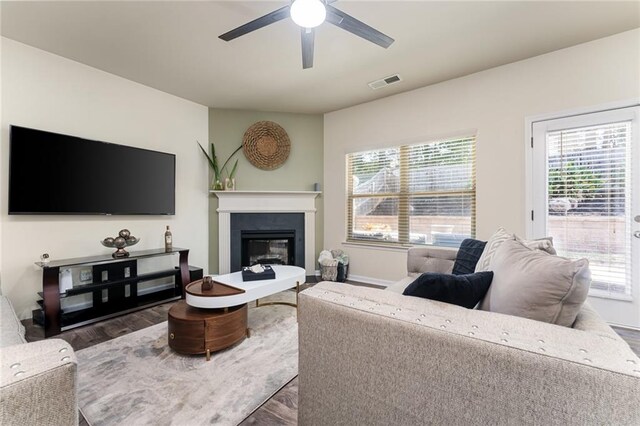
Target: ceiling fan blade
<point x="308" y="36"/>
<point x="256" y="24"/>
<point x="351" y="24"/>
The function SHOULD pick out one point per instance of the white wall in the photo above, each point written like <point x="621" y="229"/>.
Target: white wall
<point x="493" y="103"/>
<point x="48" y="92"/>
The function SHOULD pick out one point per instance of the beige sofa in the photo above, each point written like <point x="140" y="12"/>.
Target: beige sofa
<point x="37" y="380"/>
<point x="376" y="357"/>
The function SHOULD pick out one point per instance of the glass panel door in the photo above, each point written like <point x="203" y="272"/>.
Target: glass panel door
<point x="585" y="169"/>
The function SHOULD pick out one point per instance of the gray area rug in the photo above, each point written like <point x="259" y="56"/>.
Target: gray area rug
<point x="137" y="379"/>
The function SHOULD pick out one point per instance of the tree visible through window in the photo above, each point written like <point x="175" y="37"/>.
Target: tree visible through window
<point x="413" y="194"/>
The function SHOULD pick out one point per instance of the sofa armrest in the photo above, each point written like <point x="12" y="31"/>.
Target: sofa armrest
<point x="589" y="320"/>
<point x="38" y="384"/>
<point x="365" y="359"/>
<point x="430" y="259"/>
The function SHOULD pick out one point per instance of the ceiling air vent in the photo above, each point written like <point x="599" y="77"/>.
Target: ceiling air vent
<point x="384" y="82"/>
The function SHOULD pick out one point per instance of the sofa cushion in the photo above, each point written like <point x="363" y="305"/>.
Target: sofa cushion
<point x="399" y="286"/>
<point x="499" y="237"/>
<point x="462" y="290"/>
<point x="468" y="255"/>
<point x="536" y="285"/>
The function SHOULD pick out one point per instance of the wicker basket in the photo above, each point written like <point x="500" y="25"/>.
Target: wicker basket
<point x="329" y="273"/>
<point x="332" y="273"/>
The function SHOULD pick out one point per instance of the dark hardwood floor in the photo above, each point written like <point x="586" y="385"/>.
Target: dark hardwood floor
<point x="281" y="409"/>
<point x="89" y="335"/>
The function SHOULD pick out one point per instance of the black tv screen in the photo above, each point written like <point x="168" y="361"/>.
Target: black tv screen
<point x="50" y="173"/>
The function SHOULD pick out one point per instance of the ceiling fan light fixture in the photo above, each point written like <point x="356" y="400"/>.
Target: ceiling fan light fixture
<point x="308" y="13"/>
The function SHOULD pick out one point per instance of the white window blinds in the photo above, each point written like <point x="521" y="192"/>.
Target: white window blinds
<point x="589" y="186"/>
<point x="413" y="194"/>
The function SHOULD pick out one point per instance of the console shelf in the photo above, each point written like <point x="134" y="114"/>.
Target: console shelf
<point x="116" y="283"/>
<point x="121" y="287"/>
<point x="81" y="317"/>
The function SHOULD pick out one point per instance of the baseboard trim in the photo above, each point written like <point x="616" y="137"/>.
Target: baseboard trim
<point x="369" y="280"/>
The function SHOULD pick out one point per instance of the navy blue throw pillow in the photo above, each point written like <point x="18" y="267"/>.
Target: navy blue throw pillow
<point x="462" y="290"/>
<point x="468" y="255"/>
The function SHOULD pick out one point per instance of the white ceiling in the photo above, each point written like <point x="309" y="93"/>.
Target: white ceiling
<point x="173" y="46"/>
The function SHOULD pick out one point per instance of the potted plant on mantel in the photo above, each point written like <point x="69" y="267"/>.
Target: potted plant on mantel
<point x="218" y="183"/>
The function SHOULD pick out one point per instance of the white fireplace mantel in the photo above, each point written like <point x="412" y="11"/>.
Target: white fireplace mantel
<point x="266" y="202"/>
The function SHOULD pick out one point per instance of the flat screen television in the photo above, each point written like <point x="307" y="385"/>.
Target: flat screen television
<point x="50" y="173"/>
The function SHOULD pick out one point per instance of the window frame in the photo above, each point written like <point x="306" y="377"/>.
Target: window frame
<point x="404" y="194"/>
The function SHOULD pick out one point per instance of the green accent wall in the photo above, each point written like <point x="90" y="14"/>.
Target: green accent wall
<point x="303" y="168"/>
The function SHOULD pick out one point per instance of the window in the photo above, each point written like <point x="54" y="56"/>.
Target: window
<point x="413" y="194"/>
<point x="587" y="202"/>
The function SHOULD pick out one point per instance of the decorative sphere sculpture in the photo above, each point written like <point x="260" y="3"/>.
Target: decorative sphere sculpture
<point x="124" y="239"/>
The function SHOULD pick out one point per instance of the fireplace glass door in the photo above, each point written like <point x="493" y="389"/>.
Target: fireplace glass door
<point x="268" y="248"/>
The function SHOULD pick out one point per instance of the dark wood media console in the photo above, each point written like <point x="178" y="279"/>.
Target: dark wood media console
<point x="118" y="279"/>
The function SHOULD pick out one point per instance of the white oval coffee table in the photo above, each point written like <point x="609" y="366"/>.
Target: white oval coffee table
<point x="214" y="319"/>
<point x="287" y="277"/>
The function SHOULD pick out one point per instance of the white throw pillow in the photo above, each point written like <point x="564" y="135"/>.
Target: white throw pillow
<point x="499" y="237"/>
<point x="533" y="284"/>
<point x="544" y="244"/>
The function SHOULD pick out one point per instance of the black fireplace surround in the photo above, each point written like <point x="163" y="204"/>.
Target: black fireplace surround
<point x="269" y="225"/>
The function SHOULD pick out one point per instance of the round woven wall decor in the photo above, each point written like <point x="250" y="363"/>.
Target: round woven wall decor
<point x="266" y="145"/>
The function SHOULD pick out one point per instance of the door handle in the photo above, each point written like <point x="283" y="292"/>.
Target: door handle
<point x="636" y="234"/>
<point x="637" y="218"/>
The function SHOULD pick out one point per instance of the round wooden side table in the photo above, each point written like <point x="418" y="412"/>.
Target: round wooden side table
<point x="202" y="331"/>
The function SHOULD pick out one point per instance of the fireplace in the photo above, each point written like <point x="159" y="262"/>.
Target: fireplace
<point x="269" y="238"/>
<point x="236" y="204"/>
<point x="267" y="247"/>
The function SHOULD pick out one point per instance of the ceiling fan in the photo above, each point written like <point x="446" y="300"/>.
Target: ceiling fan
<point x="308" y="14"/>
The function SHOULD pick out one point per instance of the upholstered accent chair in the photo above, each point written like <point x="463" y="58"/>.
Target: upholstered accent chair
<point x="37" y="380"/>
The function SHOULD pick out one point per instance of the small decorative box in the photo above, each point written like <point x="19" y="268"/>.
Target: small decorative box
<point x="249" y="275"/>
